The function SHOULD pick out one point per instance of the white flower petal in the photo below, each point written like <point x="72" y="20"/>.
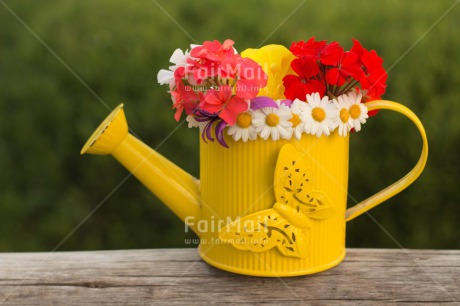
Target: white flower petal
<point x="275" y="133"/>
<point x="232" y="130"/>
<point x="357" y="125"/>
<point x="244" y="134"/>
<point x="165" y="76"/>
<point x="252" y="134"/>
<point x="178" y="57"/>
<point x="298" y="133"/>
<point x="265" y="132"/>
<point x="306" y="124"/>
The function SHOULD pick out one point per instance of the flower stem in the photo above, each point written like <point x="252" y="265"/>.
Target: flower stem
<point x="347" y="87"/>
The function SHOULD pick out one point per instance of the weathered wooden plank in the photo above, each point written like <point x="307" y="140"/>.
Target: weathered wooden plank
<point x="179" y="277"/>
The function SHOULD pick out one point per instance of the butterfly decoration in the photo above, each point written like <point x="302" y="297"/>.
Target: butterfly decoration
<point x="286" y="224"/>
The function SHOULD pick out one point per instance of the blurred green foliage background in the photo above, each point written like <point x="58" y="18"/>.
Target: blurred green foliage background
<point x="65" y="64"/>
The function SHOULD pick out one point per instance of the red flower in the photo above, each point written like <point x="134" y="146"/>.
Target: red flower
<point x="345" y="66"/>
<point x="331" y="54"/>
<point x="311" y="49"/>
<point x="184" y="97"/>
<point x="180" y="73"/>
<point x="223" y="103"/>
<point x="374" y="77"/>
<point x="305" y="68"/>
<point x="298" y="86"/>
<point x="329" y="70"/>
<point x="296" y="89"/>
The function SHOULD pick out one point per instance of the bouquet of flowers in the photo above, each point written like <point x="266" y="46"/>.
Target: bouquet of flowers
<point x="314" y="87"/>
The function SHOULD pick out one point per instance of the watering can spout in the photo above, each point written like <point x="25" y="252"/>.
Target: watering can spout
<point x="173" y="186"/>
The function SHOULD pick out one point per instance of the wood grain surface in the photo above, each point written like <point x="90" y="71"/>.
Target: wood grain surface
<point x="180" y="277"/>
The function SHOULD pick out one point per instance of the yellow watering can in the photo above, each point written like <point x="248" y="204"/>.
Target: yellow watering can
<point x="263" y="207"/>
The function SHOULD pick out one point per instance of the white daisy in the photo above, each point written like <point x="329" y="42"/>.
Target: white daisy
<point x="321" y="115"/>
<point x="243" y="128"/>
<point x="357" y="110"/>
<point x="274" y="122"/>
<point x="345" y="121"/>
<point x="299" y="118"/>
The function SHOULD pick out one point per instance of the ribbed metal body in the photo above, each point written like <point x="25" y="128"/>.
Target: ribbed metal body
<point x="238" y="181"/>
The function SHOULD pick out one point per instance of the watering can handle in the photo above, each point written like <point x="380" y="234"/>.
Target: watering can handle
<point x="408" y="179"/>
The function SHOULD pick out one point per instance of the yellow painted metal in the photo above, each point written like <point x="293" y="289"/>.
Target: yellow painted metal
<point x="239" y="181"/>
<point x="172" y="185"/>
<point x="409" y="178"/>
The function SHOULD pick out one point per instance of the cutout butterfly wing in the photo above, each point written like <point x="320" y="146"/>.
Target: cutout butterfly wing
<point x="264" y="230"/>
<point x="285" y="225"/>
<point x="293" y="180"/>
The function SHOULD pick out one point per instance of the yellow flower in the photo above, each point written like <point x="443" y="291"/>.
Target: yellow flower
<point x="276" y="63"/>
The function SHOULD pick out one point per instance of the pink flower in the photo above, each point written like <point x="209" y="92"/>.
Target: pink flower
<point x="214" y="50"/>
<point x="184" y="97"/>
<point x="223" y="103"/>
<point x="200" y="73"/>
<point x="206" y="60"/>
<point x="215" y="86"/>
<point x="248" y="74"/>
<point x="251" y="78"/>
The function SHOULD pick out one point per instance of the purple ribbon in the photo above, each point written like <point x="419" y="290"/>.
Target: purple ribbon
<point x="261" y="102"/>
<point x="220" y="133"/>
<point x="286" y="102"/>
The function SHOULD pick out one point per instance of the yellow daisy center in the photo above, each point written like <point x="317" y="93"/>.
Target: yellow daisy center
<point x="295" y="120"/>
<point x="272" y="120"/>
<point x="344" y="115"/>
<point x="318" y="114"/>
<point x="355" y="111"/>
<point x="244" y="120"/>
